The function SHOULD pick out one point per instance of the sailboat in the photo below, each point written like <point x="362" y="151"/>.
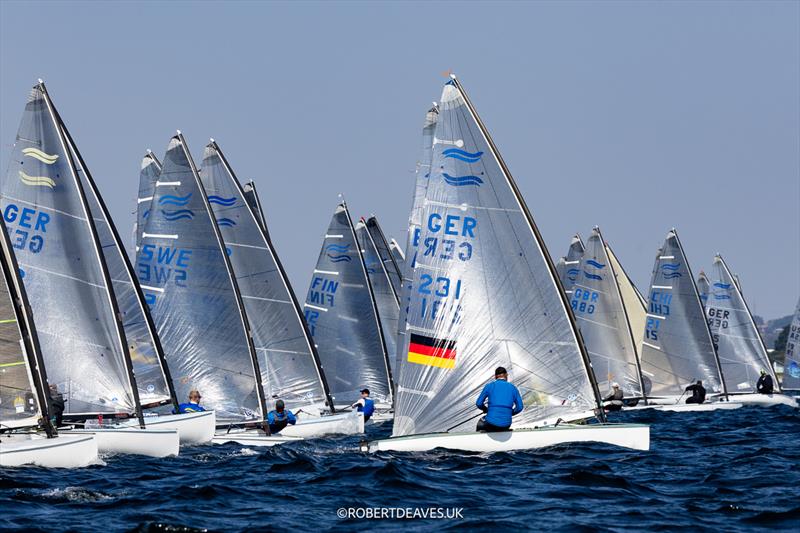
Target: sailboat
<point x="148" y="176"/>
<point x="791" y="363"/>
<point x="597" y="302"/>
<point x="28" y="436"/>
<point x="741" y="350"/>
<point x="634" y="303"/>
<point x="79" y="283"/>
<point x="343" y="318"/>
<point x="485" y="293"/>
<point x="568" y="267"/>
<point x="703" y="287"/>
<point x="677" y="349"/>
<point x="289" y="364"/>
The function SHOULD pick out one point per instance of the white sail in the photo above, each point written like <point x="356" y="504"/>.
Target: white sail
<point x="791" y="363"/>
<point x="632" y="299"/>
<point x="703" y="287"/>
<point x="568" y="267"/>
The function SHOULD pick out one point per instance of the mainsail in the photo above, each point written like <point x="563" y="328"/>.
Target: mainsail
<point x="569" y="269"/>
<point x="288" y="360"/>
<point x="703" y="287"/>
<point x="632" y="299"/>
<point x="62" y="266"/>
<point x="185" y="274"/>
<point x="148" y="175"/>
<point x="390" y="266"/>
<point x="484" y="292"/>
<point x="342" y="317"/>
<point x="252" y="199"/>
<point x="378" y="271"/>
<point x="791" y="363"/>
<point x="23" y="383"/>
<point x="398" y="254"/>
<point x="741" y="351"/>
<point x="598" y="306"/>
<point x="677" y="349"/>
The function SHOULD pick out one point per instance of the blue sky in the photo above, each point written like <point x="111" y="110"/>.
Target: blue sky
<point x="634" y="116"/>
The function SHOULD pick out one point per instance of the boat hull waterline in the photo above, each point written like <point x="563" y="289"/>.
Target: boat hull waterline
<point x="37" y="450"/>
<point x="252" y="437"/>
<point x="634" y="436"/>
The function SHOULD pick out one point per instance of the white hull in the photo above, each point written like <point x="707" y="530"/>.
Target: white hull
<point x="252" y="437"/>
<point x="60" y="452"/>
<point x="351" y="423"/>
<point x="764" y="400"/>
<point x="694" y="407"/>
<point x="569" y="418"/>
<point x="150" y="442"/>
<point x="193" y="428"/>
<point x="633" y="436"/>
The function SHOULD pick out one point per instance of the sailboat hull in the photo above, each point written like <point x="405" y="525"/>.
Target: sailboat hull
<point x="136" y="441"/>
<point x="634" y="436"/>
<point x="765" y="400"/>
<point x="252" y="437"/>
<point x="351" y="423"/>
<point x="37" y="450"/>
<point x="193" y="428"/>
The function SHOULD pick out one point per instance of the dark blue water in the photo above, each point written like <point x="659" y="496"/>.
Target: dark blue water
<point x="726" y="470"/>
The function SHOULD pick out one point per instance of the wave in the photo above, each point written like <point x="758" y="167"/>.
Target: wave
<point x="339" y="258"/>
<point x="595" y="263"/>
<point x="462" y="155"/>
<point x="337" y="247"/>
<point x="672" y="275"/>
<point x="460" y="181"/>
<point x="671" y="266"/>
<point x="219" y="200"/>
<point x="36" y="181"/>
<point x="171" y="199"/>
<point x="35" y="153"/>
<point x="592" y="276"/>
<point x="725" y="286"/>
<point x="721" y="297"/>
<point x="144" y="215"/>
<point x="177" y="215"/>
<point x="227" y="222"/>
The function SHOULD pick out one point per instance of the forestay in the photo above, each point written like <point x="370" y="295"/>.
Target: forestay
<point x="791" y="365"/>
<point x="569" y="268"/>
<point x="677" y="348"/>
<point x="148" y="175"/>
<point x="288" y="362"/>
<point x="484" y="293"/>
<point x="598" y="306"/>
<point x="741" y="351"/>
<point x="184" y="273"/>
<point x="61" y="267"/>
<point x="386" y="299"/>
<point x="343" y="319"/>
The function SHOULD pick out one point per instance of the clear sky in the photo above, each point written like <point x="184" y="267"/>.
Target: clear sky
<point x="634" y="116"/>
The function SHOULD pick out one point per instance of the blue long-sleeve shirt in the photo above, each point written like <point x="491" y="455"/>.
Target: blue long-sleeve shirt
<point x="277" y="421"/>
<point x="504" y="402"/>
<point x="189" y="407"/>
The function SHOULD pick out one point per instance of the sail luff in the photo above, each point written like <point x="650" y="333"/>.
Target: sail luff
<point x="261" y="223"/>
<point x="542" y="249"/>
<point x="61" y="129"/>
<point x="232" y="278"/>
<point x="143" y="212"/>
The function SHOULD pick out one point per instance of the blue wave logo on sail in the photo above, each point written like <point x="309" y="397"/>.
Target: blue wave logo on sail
<point x="572" y="274"/>
<point x="220" y="200"/>
<point x="593" y="276"/>
<point x="339" y="258"/>
<point x="171" y="199"/>
<point x="460" y="181"/>
<point x="228" y="223"/>
<point x="721" y="297"/>
<point x="338" y="248"/>
<point x="462" y="155"/>
<point x="669" y="270"/>
<point x="725" y="286"/>
<point x="595" y="263"/>
<point x="177" y="215"/>
<point x="145" y="214"/>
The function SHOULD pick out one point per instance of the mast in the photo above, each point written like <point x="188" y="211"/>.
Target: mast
<point x="372" y="299"/>
<point x="391" y="256"/>
<point x="700" y="304"/>
<point x="30" y="339"/>
<point x="134" y="279"/>
<point x="262" y="225"/>
<point x="542" y="248"/>
<point x="229" y="270"/>
<point x="61" y="128"/>
<point x="752" y="322"/>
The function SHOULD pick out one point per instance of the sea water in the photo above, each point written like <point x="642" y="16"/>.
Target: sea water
<point x="735" y="470"/>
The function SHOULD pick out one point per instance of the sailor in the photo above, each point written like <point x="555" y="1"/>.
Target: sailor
<point x="764" y="385"/>
<point x="193" y="405"/>
<point x="614" y="399"/>
<point x="365" y="405"/>
<point x="698" y="393"/>
<point x="504" y="402"/>
<point x="280" y="418"/>
<point x="57" y="405"/>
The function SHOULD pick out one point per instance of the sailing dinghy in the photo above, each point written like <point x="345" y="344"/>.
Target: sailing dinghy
<point x="741" y="350"/>
<point x="343" y="318"/>
<point x="791" y="362"/>
<point x="485" y="293"/>
<point x="79" y="287"/>
<point x="677" y="349"/>
<point x="289" y="364"/>
<point x="28" y="436"/>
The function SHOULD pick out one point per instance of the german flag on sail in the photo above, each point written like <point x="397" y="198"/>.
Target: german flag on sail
<point x="432" y="352"/>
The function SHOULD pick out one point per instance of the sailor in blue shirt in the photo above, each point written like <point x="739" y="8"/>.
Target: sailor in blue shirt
<point x="193" y="405"/>
<point x="365" y="405"/>
<point x="504" y="402"/>
<point x="280" y="418"/>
